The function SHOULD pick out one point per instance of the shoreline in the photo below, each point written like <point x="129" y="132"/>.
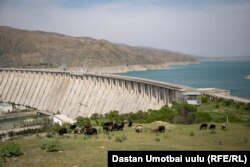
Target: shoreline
<point x="132" y="68"/>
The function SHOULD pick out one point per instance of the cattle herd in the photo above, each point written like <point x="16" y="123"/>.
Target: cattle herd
<point x="107" y="127"/>
<point x="118" y="126"/>
<point x="212" y="126"/>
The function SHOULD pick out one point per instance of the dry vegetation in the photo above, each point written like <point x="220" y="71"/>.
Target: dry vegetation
<point x="35" y="49"/>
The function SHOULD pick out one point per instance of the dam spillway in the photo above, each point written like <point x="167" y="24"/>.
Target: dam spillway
<point x="82" y="94"/>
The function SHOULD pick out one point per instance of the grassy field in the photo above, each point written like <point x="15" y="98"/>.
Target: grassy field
<point x="219" y="112"/>
<point x="80" y="150"/>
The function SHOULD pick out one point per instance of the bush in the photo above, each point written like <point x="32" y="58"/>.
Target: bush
<point x="120" y="138"/>
<point x="204" y="99"/>
<point x="217" y="106"/>
<point x="185" y="113"/>
<point x="157" y="139"/>
<point x="202" y="117"/>
<point x="192" y="133"/>
<point x="10" y="149"/>
<point x="51" y="146"/>
<point x="228" y="102"/>
<point x="247" y="106"/>
<point x="113" y="115"/>
<point x="82" y="121"/>
<point x="95" y="116"/>
<point x="49" y="135"/>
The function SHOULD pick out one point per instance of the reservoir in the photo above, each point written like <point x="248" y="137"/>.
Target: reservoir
<point x="228" y="75"/>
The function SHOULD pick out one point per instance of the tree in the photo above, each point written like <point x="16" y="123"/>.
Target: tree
<point x="113" y="115"/>
<point x="95" y="116"/>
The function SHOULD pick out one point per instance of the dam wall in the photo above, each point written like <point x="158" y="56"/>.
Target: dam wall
<point x="82" y="94"/>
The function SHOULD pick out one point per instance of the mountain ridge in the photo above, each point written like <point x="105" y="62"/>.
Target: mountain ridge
<point x="39" y="49"/>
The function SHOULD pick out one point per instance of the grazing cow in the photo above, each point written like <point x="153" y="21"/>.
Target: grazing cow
<point x="130" y="124"/>
<point x="117" y="126"/>
<point x="212" y="127"/>
<point x="107" y="126"/>
<point x="90" y="131"/>
<point x="85" y="127"/>
<point x="154" y="129"/>
<point x="203" y="126"/>
<point x="223" y="126"/>
<point x="62" y="131"/>
<point x="77" y="130"/>
<point x="160" y="129"/>
<point x="72" y="127"/>
<point x="138" y="128"/>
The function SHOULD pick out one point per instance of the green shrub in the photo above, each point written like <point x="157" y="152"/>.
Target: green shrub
<point x="118" y="139"/>
<point x="121" y="138"/>
<point x="124" y="137"/>
<point x="157" y="139"/>
<point x="228" y="102"/>
<point x="113" y="115"/>
<point x="49" y="135"/>
<point x="51" y="146"/>
<point x="185" y="113"/>
<point x="202" y="117"/>
<point x="237" y="105"/>
<point x="192" y="133"/>
<point x="212" y="132"/>
<point x="10" y="149"/>
<point x="217" y="106"/>
<point x="204" y="99"/>
<point x="247" y="106"/>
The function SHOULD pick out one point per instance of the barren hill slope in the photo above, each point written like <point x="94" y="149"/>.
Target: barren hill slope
<point x="36" y="49"/>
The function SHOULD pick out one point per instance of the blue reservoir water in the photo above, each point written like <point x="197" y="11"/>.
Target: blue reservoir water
<point x="220" y="74"/>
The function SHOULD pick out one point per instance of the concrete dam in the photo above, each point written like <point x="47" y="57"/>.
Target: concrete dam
<point x="82" y="94"/>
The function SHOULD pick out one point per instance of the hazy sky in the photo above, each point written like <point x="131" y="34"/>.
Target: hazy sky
<point x="198" y="27"/>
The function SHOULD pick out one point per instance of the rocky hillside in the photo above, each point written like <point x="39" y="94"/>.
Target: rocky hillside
<point x="36" y="49"/>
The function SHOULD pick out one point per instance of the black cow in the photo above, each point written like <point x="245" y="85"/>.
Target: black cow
<point x="62" y="131"/>
<point x="107" y="126"/>
<point x="161" y="129"/>
<point x="90" y="131"/>
<point x="117" y="126"/>
<point x="203" y="126"/>
<point x="72" y="127"/>
<point x="130" y="124"/>
<point x="85" y="127"/>
<point x="212" y="127"/>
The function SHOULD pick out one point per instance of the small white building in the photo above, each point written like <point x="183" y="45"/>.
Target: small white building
<point x="193" y="98"/>
<point x="5" y="108"/>
<point x="60" y="119"/>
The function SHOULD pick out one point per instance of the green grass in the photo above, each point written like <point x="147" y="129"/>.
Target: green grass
<point x="235" y="114"/>
<point x="78" y="150"/>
